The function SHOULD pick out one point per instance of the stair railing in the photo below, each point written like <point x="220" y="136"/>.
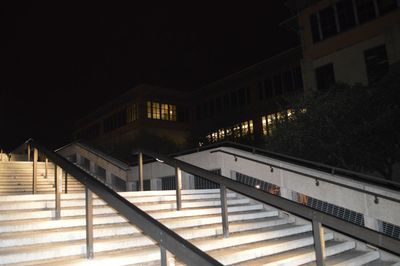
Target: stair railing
<point x="166" y="238"/>
<point x="317" y="218"/>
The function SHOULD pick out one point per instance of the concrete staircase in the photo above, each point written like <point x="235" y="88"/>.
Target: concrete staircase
<point x="259" y="234"/>
<point x="16" y="178"/>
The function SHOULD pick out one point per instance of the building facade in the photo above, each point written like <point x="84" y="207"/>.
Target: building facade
<point x="348" y="41"/>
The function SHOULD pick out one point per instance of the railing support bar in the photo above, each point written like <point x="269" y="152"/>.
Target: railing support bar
<point x="167" y="259"/>
<point x="57" y="192"/>
<point x="28" y="155"/>
<point x="34" y="176"/>
<point x="178" y="177"/>
<point x="66" y="183"/>
<point x="319" y="242"/>
<point x="89" y="223"/>
<point x="46" y="167"/>
<point x="224" y="211"/>
<point x="140" y="167"/>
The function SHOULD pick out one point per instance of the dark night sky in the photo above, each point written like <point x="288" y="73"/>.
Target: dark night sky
<point x="62" y="60"/>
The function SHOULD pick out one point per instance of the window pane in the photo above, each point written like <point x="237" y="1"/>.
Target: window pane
<point x="365" y="10"/>
<point x="345" y="12"/>
<point x="314" y="28"/>
<point x="148" y="109"/>
<point x="376" y="62"/>
<point x="325" y="76"/>
<point x="156" y="110"/>
<point x="385" y="6"/>
<point x="328" y="22"/>
<point x="172" y="112"/>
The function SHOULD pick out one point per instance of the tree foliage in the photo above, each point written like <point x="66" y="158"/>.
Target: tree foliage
<point x="352" y="127"/>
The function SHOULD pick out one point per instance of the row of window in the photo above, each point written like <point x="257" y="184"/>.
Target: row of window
<point x="346" y="14"/>
<point x="269" y="121"/>
<point x="240" y="130"/>
<point x="163" y="111"/>
<point x="280" y="83"/>
<point x="376" y="62"/>
<point x="229" y="101"/>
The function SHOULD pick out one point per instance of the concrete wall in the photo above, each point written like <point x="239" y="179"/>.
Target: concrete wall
<point x="292" y="179"/>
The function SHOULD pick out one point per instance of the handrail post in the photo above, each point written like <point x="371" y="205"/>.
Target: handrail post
<point x="178" y="181"/>
<point x="224" y="211"/>
<point x="46" y="167"/>
<point x="66" y="183"/>
<point x="167" y="258"/>
<point x="28" y="155"/>
<point x="319" y="242"/>
<point x="140" y="169"/>
<point x="89" y="223"/>
<point x="34" y="176"/>
<point x="57" y="185"/>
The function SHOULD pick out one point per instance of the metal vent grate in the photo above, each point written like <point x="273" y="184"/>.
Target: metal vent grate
<point x="168" y="183"/>
<point x="340" y="212"/>
<point x="254" y="182"/>
<point x="389" y="229"/>
<point x="202" y="183"/>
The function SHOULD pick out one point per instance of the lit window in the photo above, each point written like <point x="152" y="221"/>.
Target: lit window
<point x="264" y="125"/>
<point x="236" y="131"/>
<point x="245" y="128"/>
<point x="155" y="110"/>
<point x="251" y="127"/>
<point x="149" y="110"/>
<point x="221" y="133"/>
<point x="164" y="111"/>
<point x="172" y="112"/>
<point x="228" y="132"/>
<point x="214" y="136"/>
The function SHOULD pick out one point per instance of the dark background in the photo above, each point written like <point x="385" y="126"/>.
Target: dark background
<point x="62" y="60"/>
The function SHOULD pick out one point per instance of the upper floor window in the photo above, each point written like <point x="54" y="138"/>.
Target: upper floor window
<point x="385" y="6"/>
<point x="328" y="22"/>
<point x="163" y="111"/>
<point x="325" y="76"/>
<point x="365" y="10"/>
<point x="115" y="121"/>
<point x="345" y="13"/>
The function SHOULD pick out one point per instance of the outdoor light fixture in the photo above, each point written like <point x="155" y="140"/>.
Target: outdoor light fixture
<point x="316" y="182"/>
<point x="257" y="186"/>
<point x="158" y="160"/>
<point x="376" y="200"/>
<point x="271" y="169"/>
<point x="235" y="158"/>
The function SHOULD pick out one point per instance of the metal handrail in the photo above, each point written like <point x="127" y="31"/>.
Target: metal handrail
<point x="166" y="238"/>
<point x="318" y="218"/>
<point x="121" y="165"/>
<point x="316" y="178"/>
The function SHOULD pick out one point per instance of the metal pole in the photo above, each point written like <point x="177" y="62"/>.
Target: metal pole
<point x="66" y="183"/>
<point x="29" y="153"/>
<point x="178" y="178"/>
<point x="140" y="167"/>
<point x="46" y="167"/>
<point x="34" y="176"/>
<point x="319" y="242"/>
<point x="89" y="223"/>
<point x="57" y="185"/>
<point x="167" y="259"/>
<point x="224" y="211"/>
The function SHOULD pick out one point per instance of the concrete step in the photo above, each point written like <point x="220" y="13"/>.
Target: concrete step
<point x="70" y="248"/>
<point x="301" y="256"/>
<point x="101" y="231"/>
<point x="103" y="209"/>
